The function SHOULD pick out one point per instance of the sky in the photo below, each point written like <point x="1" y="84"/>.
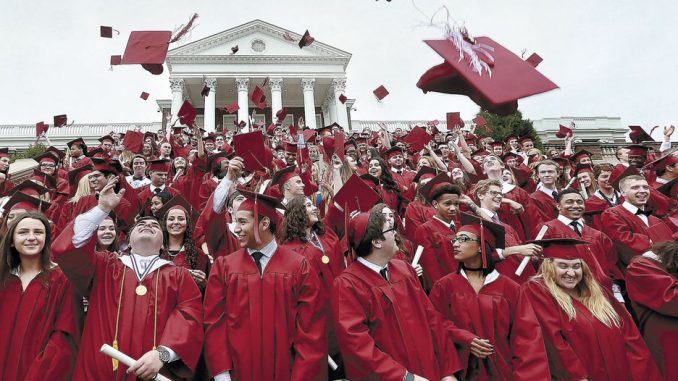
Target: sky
<point x="609" y="58"/>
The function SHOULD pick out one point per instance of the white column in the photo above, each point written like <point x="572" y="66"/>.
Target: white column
<point x="210" y="105"/>
<point x="243" y="99"/>
<point x="332" y="108"/>
<point x="177" y="86"/>
<point x="309" y="102"/>
<point x="338" y="87"/>
<point x="326" y="113"/>
<point x="276" y="95"/>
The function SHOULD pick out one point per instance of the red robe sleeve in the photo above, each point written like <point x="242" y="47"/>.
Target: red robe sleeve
<point x="651" y="286"/>
<point x="217" y="350"/>
<point x="530" y="361"/>
<point x="630" y="241"/>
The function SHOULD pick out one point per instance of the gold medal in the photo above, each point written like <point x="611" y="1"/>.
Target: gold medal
<point x="141" y="290"/>
<point x="325" y="259"/>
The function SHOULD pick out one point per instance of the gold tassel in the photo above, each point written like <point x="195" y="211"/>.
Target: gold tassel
<point x="115" y="362"/>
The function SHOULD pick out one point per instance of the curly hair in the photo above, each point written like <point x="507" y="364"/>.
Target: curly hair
<point x="296" y="221"/>
<point x="190" y="248"/>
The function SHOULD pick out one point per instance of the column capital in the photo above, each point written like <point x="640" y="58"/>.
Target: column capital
<point x="243" y="83"/>
<point x="339" y="84"/>
<point x="275" y="84"/>
<point x="307" y="84"/>
<point x="177" y="84"/>
<point x="211" y="83"/>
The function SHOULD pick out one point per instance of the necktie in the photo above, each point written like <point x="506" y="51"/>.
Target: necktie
<point x="575" y="227"/>
<point x="257" y="259"/>
<point x="137" y="178"/>
<point x="384" y="273"/>
<point x="646" y="213"/>
<point x="554" y="194"/>
<point x="495" y="218"/>
<point x="157" y="190"/>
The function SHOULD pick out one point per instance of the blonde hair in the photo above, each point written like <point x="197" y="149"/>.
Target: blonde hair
<point x="83" y="190"/>
<point x="591" y="294"/>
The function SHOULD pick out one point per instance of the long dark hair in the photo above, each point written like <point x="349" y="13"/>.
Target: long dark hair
<point x="189" y="243"/>
<point x="115" y="245"/>
<point x="387" y="181"/>
<point x="10" y="257"/>
<point x="296" y="220"/>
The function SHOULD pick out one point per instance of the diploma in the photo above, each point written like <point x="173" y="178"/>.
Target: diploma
<point x="417" y="256"/>
<point x="333" y="364"/>
<point x="123" y="358"/>
<point x="526" y="260"/>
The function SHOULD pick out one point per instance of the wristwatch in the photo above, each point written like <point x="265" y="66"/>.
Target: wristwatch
<point x="164" y="354"/>
<point x="408" y="376"/>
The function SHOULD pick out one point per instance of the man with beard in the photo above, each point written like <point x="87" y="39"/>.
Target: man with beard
<point x="628" y="224"/>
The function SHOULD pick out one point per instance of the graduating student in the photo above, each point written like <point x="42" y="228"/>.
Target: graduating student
<point x="158" y="170"/>
<point x="143" y="305"/>
<point x="40" y="314"/>
<point x="265" y="312"/>
<point x="387" y="328"/>
<point x="499" y="335"/>
<point x="652" y="285"/>
<point x="587" y="336"/>
<point x="548" y="172"/>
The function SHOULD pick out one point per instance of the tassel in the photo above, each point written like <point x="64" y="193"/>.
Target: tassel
<point x="185" y="29"/>
<point x="115" y="362"/>
<point x="257" y="238"/>
<point x="482" y="245"/>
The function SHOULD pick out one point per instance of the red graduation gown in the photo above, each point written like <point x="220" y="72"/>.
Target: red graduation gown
<point x="508" y="266"/>
<point x="496" y="314"/>
<point x="437" y="259"/>
<point x="546" y="204"/>
<point x="585" y="348"/>
<point x="98" y="276"/>
<point x="630" y="234"/>
<point x="524" y="222"/>
<point x="387" y="328"/>
<point x="219" y="238"/>
<point x="266" y="327"/>
<point x="416" y="214"/>
<point x="654" y="293"/>
<point x="145" y="196"/>
<point x="39" y="328"/>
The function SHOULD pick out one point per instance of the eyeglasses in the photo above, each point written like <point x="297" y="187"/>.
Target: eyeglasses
<point x="47" y="165"/>
<point x="389" y="230"/>
<point x="463" y="239"/>
<point x="495" y="193"/>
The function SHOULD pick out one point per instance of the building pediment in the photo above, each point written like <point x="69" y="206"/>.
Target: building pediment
<point x="257" y="41"/>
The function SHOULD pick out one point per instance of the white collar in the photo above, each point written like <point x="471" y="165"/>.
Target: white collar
<point x="661" y="181"/>
<point x="630" y="207"/>
<point x="17" y="270"/>
<point x="374" y="267"/>
<point x="143" y="265"/>
<point x="489" y="212"/>
<point x="450" y="225"/>
<point x="267" y="250"/>
<point x="153" y="187"/>
<point x="568" y="221"/>
<point x="544" y="189"/>
<point x="651" y="255"/>
<point x="491" y="277"/>
<point x="506" y="187"/>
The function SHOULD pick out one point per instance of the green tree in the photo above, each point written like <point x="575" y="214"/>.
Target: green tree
<point x="499" y="127"/>
<point x="30" y="152"/>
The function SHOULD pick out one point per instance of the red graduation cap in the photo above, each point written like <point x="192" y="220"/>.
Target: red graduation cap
<point x="60" y="120"/>
<point x="29" y="188"/>
<point x="57" y="152"/>
<point x="534" y="59"/>
<point x="669" y="189"/>
<point x="178" y="202"/>
<point x="428" y="189"/>
<point x="580" y="155"/>
<point x="488" y="232"/>
<point x="511" y="79"/>
<point x="355" y="194"/>
<point x="618" y="174"/>
<point x="159" y="165"/>
<point x="133" y="141"/>
<point x="660" y="163"/>
<point x="309" y="135"/>
<point x="342" y="99"/>
<point x="282" y="176"/>
<point x="479" y="121"/>
<point x="77" y="141"/>
<point x="417" y="138"/>
<point x="40" y="128"/>
<point x="106" y="31"/>
<point x="75" y="175"/>
<point x="258" y="97"/>
<point x="214" y="159"/>
<point x="260" y="205"/>
<point x="637" y="149"/>
<point x="144" y="95"/>
<point x="47" y="156"/>
<point x="116" y="60"/>
<point x="583" y="168"/>
<point x="425" y="173"/>
<point x="638" y="135"/>
<point x="28" y="203"/>
<point x="454" y="120"/>
<point x="561" y="248"/>
<point x="291" y="147"/>
<point x="380" y="92"/>
<point x="187" y="114"/>
<point x="106" y="137"/>
<point x="4" y="152"/>
<point x="563" y="132"/>
<point x="281" y="114"/>
<point x="234" y="49"/>
<point x="393" y="151"/>
<point x="306" y="40"/>
<point x="205" y="91"/>
<point x="148" y="48"/>
<point x="233" y="107"/>
<point x="250" y="147"/>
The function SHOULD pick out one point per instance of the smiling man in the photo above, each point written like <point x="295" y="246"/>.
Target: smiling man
<point x="628" y="224"/>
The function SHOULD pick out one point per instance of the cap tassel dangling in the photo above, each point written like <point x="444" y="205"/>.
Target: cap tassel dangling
<point x="257" y="237"/>
<point x="483" y="252"/>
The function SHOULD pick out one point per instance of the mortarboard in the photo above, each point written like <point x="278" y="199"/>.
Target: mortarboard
<point x="380" y="92"/>
<point x="233" y="107"/>
<point x="511" y="78"/>
<point x="454" y="120"/>
<point x="424" y="173"/>
<point x="669" y="189"/>
<point x="658" y="164"/>
<point x="152" y="135"/>
<point x="510" y="155"/>
<point x="159" y="165"/>
<point x="497" y="144"/>
<point x="356" y="228"/>
<point x="561" y="248"/>
<point x="60" y="120"/>
<point x="74" y="176"/>
<point x="205" y="91"/>
<point x="258" y="97"/>
<point x="49" y="181"/>
<point x="417" y="138"/>
<point x="637" y="150"/>
<point x="309" y="135"/>
<point x="618" y="174"/>
<point x="638" y="135"/>
<point x="106" y="137"/>
<point x="492" y="233"/>
<point x="95" y="152"/>
<point x="582" y="168"/>
<point x="133" y="141"/>
<point x="563" y="132"/>
<point x="79" y="141"/>
<point x="393" y="151"/>
<point x="57" y="152"/>
<point x="342" y="99"/>
<point x="106" y="31"/>
<point x="217" y="158"/>
<point x="102" y="165"/>
<point x="250" y="147"/>
<point x="178" y="202"/>
<point x="148" y="48"/>
<point x="187" y="114"/>
<point x="234" y="49"/>
<point x="526" y="138"/>
<point x="144" y="95"/>
<point x="428" y="189"/>
<point x="281" y="114"/>
<point x="23" y="201"/>
<point x="480" y="152"/>
<point x="281" y="176"/>
<point x="580" y="155"/>
<point x="479" y="121"/>
<point x="534" y="59"/>
<point x="260" y="204"/>
<point x="47" y="156"/>
<point x="40" y="128"/>
<point x="29" y="188"/>
<point x="306" y="40"/>
<point x="116" y="60"/>
<point x="291" y="147"/>
<point x="355" y="194"/>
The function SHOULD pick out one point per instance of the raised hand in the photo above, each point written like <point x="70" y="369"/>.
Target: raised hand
<point x="235" y="168"/>
<point x="668" y="131"/>
<point x="108" y="199"/>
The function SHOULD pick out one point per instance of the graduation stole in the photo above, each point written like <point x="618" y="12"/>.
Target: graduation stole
<point x="117" y="315"/>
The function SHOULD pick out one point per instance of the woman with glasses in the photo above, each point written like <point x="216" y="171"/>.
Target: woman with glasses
<point x="588" y="336"/>
<point x="499" y="335"/>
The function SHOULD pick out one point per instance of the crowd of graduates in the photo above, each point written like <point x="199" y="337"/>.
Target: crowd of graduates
<point x="289" y="253"/>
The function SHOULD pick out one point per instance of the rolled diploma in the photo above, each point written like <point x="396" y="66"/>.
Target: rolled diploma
<point x="333" y="364"/>
<point x="417" y="255"/>
<point x="123" y="358"/>
<point x="526" y="260"/>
